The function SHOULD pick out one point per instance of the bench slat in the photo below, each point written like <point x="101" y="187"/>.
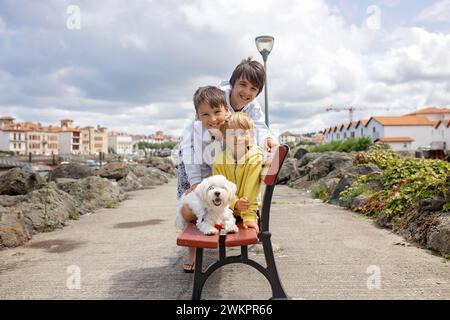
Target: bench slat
<point x="242" y="238"/>
<point x="192" y="237"/>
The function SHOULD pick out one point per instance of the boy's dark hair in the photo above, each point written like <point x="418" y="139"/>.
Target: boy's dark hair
<point x="252" y="70"/>
<point x="213" y="96"/>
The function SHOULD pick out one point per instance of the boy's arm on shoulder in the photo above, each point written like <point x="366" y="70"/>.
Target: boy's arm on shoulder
<point x="262" y="131"/>
<point x="188" y="146"/>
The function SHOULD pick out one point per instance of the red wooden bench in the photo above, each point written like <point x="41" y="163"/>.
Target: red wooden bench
<point x="192" y="237"/>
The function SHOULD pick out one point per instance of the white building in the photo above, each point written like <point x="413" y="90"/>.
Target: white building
<point x="289" y="137"/>
<point x="416" y="128"/>
<point x="432" y="113"/>
<point x="121" y="144"/>
<point x="69" y="138"/>
<point x="397" y="143"/>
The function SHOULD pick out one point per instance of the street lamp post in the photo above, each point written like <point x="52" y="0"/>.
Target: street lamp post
<point x="264" y="44"/>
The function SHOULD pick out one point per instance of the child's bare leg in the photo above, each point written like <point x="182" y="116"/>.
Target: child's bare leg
<point x="187" y="214"/>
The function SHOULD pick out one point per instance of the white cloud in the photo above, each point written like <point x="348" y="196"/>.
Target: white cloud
<point x="439" y="11"/>
<point x="135" y="65"/>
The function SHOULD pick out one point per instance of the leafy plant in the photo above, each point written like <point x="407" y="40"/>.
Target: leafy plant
<point x="347" y="145"/>
<point x="320" y="192"/>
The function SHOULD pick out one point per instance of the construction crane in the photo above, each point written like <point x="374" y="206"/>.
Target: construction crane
<point x="349" y="109"/>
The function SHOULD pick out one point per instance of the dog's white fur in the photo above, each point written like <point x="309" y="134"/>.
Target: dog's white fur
<point x="210" y="203"/>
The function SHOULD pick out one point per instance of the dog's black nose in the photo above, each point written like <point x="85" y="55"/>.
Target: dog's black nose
<point x="217" y="193"/>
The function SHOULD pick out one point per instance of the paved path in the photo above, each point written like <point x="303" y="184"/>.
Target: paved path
<point x="129" y="252"/>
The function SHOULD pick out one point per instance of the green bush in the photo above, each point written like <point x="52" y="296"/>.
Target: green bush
<point x="320" y="192"/>
<point x="405" y="181"/>
<point x="347" y="145"/>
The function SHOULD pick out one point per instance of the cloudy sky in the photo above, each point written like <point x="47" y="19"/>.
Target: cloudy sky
<point x="134" y="65"/>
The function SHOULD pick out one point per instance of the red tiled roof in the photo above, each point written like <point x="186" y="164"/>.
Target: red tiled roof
<point x="395" y="139"/>
<point x="403" y="121"/>
<point x="430" y="110"/>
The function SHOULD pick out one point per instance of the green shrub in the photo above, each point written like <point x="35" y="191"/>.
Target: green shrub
<point x="351" y="192"/>
<point x="405" y="181"/>
<point x="347" y="145"/>
<point x="320" y="192"/>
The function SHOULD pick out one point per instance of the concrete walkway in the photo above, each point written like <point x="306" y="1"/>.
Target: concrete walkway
<point x="129" y="252"/>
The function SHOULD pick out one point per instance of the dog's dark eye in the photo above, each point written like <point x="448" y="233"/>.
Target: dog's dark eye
<point x="210" y="188"/>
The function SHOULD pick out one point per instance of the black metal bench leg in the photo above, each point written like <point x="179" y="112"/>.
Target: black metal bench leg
<point x="275" y="282"/>
<point x="199" y="280"/>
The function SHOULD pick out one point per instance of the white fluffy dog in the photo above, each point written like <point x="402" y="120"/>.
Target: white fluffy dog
<point x="210" y="203"/>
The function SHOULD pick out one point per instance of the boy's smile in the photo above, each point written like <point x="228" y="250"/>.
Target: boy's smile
<point x="242" y="93"/>
<point x="211" y="118"/>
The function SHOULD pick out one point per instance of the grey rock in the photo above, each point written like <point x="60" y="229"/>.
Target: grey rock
<point x="13" y="231"/>
<point x="130" y="183"/>
<point x="439" y="236"/>
<point x="300" y="153"/>
<point x="432" y="204"/>
<point x="327" y="162"/>
<point x="346" y="181"/>
<point x="93" y="192"/>
<point x="360" y="201"/>
<point x="288" y="171"/>
<point x="47" y="209"/>
<point x="113" y="171"/>
<point x="71" y="170"/>
<point x="164" y="164"/>
<point x="19" y="181"/>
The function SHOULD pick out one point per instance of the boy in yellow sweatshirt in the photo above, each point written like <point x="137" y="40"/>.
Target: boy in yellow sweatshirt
<point x="241" y="162"/>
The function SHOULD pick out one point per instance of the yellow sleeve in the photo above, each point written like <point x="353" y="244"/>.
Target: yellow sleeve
<point x="252" y="186"/>
<point x="219" y="167"/>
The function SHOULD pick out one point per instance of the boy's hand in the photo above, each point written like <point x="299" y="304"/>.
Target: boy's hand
<point x="270" y="144"/>
<point x="192" y="188"/>
<point x="251" y="224"/>
<point x="242" y="204"/>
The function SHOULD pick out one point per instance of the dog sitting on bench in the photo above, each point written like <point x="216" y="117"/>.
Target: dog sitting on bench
<point x="210" y="203"/>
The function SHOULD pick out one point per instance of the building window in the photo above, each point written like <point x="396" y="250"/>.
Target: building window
<point x="374" y="130"/>
<point x="361" y="132"/>
<point x="15" y="146"/>
<point x="352" y="134"/>
<point x="405" y="145"/>
<point x="345" y="135"/>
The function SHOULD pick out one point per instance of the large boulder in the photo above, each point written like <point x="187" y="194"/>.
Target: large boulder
<point x="438" y="237"/>
<point x="289" y="171"/>
<point x="47" y="209"/>
<point x="164" y="164"/>
<point x="154" y="177"/>
<point x="345" y="182"/>
<point x="92" y="192"/>
<point x="359" y="202"/>
<point x="307" y="158"/>
<point x="19" y="181"/>
<point x="138" y="170"/>
<point x="113" y="171"/>
<point x="356" y="170"/>
<point x="71" y="170"/>
<point x="300" y="153"/>
<point x="13" y="231"/>
<point x="432" y="204"/>
<point x="327" y="162"/>
<point x="130" y="183"/>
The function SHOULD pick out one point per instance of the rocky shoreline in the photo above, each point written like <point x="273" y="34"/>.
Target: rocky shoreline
<point x="30" y="204"/>
<point x="327" y="174"/>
